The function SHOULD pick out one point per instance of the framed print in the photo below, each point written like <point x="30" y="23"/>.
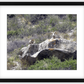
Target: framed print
<point x="41" y="41"/>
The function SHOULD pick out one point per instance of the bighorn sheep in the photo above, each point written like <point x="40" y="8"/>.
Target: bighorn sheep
<point x="32" y="41"/>
<point x="55" y="35"/>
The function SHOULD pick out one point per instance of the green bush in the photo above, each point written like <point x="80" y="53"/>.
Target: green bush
<point x="15" y="32"/>
<point x="66" y="26"/>
<point x="72" y="17"/>
<point x="12" y="33"/>
<point x="54" y="29"/>
<point x="53" y="63"/>
<point x="54" y="20"/>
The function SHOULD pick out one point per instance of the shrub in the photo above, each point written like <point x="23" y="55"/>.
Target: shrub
<point x="54" y="20"/>
<point x="12" y="33"/>
<point x="66" y="26"/>
<point x="66" y="36"/>
<point x="13" y="58"/>
<point x="15" y="45"/>
<point x="34" y="18"/>
<point x="53" y="29"/>
<point x="53" y="63"/>
<point x="72" y="17"/>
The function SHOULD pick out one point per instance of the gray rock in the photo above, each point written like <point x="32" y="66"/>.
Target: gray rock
<point x="61" y="48"/>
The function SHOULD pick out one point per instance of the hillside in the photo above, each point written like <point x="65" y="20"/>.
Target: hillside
<point x="22" y="28"/>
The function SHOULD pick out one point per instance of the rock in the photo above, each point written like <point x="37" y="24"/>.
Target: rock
<point x="22" y="51"/>
<point x="61" y="54"/>
<point x="61" y="48"/>
<point x="29" y="50"/>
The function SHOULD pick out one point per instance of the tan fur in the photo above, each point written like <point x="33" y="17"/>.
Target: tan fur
<point x="55" y="35"/>
<point x="32" y="41"/>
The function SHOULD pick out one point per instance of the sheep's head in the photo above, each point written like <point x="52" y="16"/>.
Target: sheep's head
<point x="53" y="35"/>
<point x="32" y="41"/>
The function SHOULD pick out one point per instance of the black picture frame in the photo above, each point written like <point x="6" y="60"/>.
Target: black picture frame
<point x="42" y="4"/>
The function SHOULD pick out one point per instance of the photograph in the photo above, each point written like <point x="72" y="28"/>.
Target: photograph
<point x="41" y="41"/>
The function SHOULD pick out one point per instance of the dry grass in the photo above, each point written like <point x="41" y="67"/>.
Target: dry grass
<point x="74" y="34"/>
<point x="75" y="39"/>
<point x="66" y="36"/>
<point x="13" y="57"/>
<point x="10" y="63"/>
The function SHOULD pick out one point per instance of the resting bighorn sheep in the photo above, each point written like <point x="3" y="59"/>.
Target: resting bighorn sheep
<point x="32" y="41"/>
<point x="55" y="35"/>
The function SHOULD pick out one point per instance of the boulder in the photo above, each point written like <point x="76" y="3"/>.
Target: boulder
<point x="61" y="48"/>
